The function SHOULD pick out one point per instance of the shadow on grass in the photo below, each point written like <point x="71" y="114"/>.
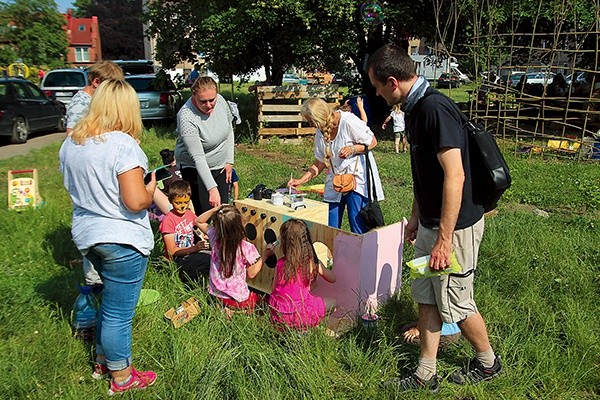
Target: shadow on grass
<point x="59" y="242"/>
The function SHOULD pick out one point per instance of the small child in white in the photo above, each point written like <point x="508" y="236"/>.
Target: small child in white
<point x="399" y="130"/>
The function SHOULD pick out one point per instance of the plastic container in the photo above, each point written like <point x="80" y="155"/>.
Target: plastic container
<point x="85" y="311"/>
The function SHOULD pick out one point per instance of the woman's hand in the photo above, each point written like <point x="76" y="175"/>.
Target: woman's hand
<point x="228" y="172"/>
<point x="347" y="151"/>
<point x="214" y="198"/>
<point x="294" y="183"/>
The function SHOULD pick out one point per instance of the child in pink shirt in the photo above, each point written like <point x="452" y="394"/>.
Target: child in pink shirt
<point x="233" y="258"/>
<point x="291" y="302"/>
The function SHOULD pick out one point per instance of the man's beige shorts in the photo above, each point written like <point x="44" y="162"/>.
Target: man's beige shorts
<point x="453" y="295"/>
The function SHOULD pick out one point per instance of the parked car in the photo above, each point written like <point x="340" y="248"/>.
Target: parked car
<point x="158" y="95"/>
<point x="448" y="80"/>
<point x="543" y="78"/>
<point x="579" y="78"/>
<point x="62" y="84"/>
<point x="293" y="79"/>
<point x="24" y="109"/>
<point x="136" y="67"/>
<point x="512" y="79"/>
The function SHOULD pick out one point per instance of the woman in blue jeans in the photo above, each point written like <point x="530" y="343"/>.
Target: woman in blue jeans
<point x="340" y="143"/>
<point x="103" y="168"/>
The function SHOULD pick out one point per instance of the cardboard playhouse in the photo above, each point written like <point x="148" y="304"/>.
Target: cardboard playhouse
<point x="367" y="267"/>
<point x="23" y="192"/>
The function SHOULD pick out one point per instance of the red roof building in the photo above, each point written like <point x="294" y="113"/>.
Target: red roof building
<point x="84" y="40"/>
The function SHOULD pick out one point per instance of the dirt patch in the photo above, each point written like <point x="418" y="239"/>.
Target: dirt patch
<point x="273" y="156"/>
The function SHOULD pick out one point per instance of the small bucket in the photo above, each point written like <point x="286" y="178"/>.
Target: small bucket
<point x="369" y="321"/>
<point x="277" y="199"/>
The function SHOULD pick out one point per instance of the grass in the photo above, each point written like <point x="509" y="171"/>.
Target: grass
<point x="537" y="287"/>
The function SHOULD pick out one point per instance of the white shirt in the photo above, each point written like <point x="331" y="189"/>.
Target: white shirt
<point x="351" y="130"/>
<point x="91" y="176"/>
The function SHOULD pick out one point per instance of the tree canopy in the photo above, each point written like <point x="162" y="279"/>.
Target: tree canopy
<point x="120" y="24"/>
<point x="32" y="31"/>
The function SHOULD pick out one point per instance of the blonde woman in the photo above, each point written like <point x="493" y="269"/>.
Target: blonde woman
<point x="103" y="168"/>
<point x="341" y="137"/>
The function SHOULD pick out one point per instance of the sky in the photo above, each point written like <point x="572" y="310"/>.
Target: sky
<point x="63" y="5"/>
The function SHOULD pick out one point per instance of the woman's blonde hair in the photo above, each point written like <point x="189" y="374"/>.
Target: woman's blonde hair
<point x="114" y="107"/>
<point x="203" y="83"/>
<point x="318" y="112"/>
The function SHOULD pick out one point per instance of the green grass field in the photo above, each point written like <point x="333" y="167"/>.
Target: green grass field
<point x="537" y="287"/>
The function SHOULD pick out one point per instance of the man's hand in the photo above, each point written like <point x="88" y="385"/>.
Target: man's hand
<point x="214" y="198"/>
<point x="410" y="230"/>
<point x="440" y="255"/>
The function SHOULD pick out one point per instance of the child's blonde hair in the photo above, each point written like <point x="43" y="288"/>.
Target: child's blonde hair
<point x="318" y="112"/>
<point x="298" y="250"/>
<point x="114" y="107"/>
<point x="230" y="233"/>
<point x="397" y="108"/>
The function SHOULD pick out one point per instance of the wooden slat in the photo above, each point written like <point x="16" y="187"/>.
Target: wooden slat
<point x="285" y="131"/>
<point x="281" y="118"/>
<point x="281" y="108"/>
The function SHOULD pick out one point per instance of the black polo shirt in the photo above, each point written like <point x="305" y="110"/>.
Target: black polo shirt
<point x="434" y="124"/>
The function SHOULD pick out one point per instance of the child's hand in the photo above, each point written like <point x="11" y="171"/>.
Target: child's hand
<point x="270" y="249"/>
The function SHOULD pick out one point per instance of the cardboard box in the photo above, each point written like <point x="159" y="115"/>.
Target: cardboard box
<point x="184" y="313"/>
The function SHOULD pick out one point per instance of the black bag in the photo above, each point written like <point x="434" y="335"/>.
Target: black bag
<point x="371" y="213"/>
<point x="490" y="173"/>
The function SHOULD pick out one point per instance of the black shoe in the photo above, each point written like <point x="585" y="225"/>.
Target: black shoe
<point x="475" y="372"/>
<point x="413" y="382"/>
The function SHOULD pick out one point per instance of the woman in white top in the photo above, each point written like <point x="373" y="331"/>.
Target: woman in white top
<point x="103" y="168"/>
<point x="341" y="137"/>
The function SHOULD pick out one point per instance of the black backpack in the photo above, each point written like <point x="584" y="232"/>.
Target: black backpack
<point x="490" y="173"/>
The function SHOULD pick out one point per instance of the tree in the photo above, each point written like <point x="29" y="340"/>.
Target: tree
<point x="121" y="29"/>
<point x="36" y="33"/>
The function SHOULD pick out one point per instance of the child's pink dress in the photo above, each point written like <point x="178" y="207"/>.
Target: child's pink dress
<point x="293" y="304"/>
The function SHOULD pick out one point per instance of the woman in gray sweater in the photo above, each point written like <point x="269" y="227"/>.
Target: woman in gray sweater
<point x="204" y="146"/>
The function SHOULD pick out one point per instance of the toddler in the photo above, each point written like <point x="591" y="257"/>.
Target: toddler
<point x="399" y="130"/>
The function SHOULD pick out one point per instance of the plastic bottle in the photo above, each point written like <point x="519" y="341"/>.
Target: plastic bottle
<point x="85" y="311"/>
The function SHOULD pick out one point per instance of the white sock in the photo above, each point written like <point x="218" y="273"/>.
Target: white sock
<point x="426" y="368"/>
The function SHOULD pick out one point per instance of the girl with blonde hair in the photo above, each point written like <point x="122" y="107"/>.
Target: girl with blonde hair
<point x="341" y="141"/>
<point x="103" y="168"/>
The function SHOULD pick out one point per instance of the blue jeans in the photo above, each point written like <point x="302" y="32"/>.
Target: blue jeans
<point x="355" y="202"/>
<point x="122" y="269"/>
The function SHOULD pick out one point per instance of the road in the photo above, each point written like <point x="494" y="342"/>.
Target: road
<point x="37" y="142"/>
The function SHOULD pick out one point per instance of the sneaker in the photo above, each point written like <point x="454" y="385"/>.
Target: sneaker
<point x="139" y="380"/>
<point x="475" y="372"/>
<point x="413" y="382"/>
<point x="100" y="371"/>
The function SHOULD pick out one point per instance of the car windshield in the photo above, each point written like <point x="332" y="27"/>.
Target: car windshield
<point x="65" y="78"/>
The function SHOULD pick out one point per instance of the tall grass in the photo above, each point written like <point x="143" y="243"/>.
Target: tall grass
<point x="537" y="287"/>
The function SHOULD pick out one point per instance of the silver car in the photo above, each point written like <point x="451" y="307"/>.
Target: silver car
<point x="62" y="84"/>
<point x="158" y="95"/>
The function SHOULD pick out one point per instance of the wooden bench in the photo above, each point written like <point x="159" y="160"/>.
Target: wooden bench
<point x="279" y="107"/>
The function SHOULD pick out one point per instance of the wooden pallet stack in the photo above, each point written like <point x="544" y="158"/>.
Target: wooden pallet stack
<point x="279" y="108"/>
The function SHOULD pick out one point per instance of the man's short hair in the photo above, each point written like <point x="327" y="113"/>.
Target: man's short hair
<point x="391" y="60"/>
<point x="179" y="189"/>
<point x="104" y="70"/>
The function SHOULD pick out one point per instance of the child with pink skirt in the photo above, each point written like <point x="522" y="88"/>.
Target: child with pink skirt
<point x="292" y="303"/>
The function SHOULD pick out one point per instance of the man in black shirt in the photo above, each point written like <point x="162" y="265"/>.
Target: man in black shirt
<point x="445" y="218"/>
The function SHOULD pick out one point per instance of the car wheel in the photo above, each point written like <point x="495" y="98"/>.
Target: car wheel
<point x="20" y="132"/>
<point x="62" y="124"/>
